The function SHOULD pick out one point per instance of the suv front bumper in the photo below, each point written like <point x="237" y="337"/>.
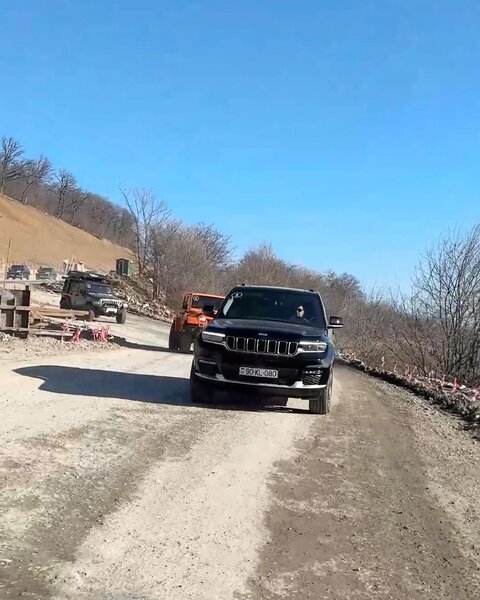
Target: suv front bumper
<point x="297" y="390"/>
<point x="107" y="312"/>
<point x="299" y="376"/>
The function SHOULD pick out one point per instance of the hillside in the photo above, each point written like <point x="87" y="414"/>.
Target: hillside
<point x="38" y="239"/>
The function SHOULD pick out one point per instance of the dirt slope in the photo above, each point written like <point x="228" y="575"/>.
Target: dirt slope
<point x="41" y="239"/>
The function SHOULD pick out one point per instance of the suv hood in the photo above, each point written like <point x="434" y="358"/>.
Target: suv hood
<point x="273" y="329"/>
<point x="103" y="296"/>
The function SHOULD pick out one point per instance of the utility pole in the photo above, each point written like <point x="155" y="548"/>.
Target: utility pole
<point x="6" y="264"/>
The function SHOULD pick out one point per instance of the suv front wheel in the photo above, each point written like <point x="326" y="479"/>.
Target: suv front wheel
<point x="184" y="343"/>
<point x="321" y="404"/>
<point x="91" y="313"/>
<point x="65" y="304"/>
<point x="121" y="316"/>
<point x="199" y="390"/>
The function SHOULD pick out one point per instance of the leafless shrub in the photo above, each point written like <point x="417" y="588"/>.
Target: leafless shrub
<point x="447" y="293"/>
<point x="366" y="322"/>
<point x="218" y="245"/>
<point x="261" y="265"/>
<point x="435" y="329"/>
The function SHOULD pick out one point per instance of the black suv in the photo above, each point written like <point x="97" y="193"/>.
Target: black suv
<point x="18" y="272"/>
<point x="267" y="340"/>
<point x="92" y="292"/>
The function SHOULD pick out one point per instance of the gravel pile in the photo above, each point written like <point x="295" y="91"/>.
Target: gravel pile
<point x="55" y="287"/>
<point x="139" y="297"/>
<point x="12" y="348"/>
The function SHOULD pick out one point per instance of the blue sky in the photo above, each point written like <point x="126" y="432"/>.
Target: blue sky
<point x="345" y="133"/>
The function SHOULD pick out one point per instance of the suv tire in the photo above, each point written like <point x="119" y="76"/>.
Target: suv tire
<point x="173" y="339"/>
<point x="91" y="314"/>
<point x="199" y="390"/>
<point x="184" y="343"/>
<point x="321" y="404"/>
<point x="121" y="317"/>
<point x="65" y="304"/>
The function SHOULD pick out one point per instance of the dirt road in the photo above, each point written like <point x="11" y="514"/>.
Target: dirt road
<point x="113" y="486"/>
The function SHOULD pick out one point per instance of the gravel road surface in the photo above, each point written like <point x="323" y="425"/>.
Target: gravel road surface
<point x="114" y="487"/>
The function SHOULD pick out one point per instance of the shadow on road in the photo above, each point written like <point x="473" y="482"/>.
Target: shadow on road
<point x="124" y="343"/>
<point x="137" y="387"/>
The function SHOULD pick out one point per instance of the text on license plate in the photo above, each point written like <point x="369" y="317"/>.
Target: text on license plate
<point x="254" y="372"/>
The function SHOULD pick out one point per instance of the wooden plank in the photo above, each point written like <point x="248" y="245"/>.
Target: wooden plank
<point x="63" y="312"/>
<point x="51" y="332"/>
<point x="14" y="307"/>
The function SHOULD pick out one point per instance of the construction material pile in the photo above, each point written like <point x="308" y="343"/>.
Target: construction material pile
<point x="55" y="287"/>
<point x="137" y="292"/>
<point x="453" y="396"/>
<point x="12" y="349"/>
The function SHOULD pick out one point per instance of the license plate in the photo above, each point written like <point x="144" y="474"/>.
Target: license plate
<point x="254" y="372"/>
<point x="111" y="310"/>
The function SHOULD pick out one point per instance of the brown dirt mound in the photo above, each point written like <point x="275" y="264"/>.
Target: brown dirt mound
<point x="39" y="239"/>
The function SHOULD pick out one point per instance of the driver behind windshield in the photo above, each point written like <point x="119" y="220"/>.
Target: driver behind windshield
<point x="300" y="315"/>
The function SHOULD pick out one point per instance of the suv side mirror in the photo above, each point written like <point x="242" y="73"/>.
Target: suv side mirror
<point x="335" y="323"/>
<point x="209" y="310"/>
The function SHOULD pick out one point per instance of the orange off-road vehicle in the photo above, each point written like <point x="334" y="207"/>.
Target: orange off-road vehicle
<point x="197" y="312"/>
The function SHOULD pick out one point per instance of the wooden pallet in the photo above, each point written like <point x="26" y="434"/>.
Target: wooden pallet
<point x="40" y="312"/>
<point x="14" y="311"/>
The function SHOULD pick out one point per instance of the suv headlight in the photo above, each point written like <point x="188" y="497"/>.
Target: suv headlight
<point x="213" y="337"/>
<point x="313" y="346"/>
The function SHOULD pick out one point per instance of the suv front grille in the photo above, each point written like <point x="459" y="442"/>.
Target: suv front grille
<point x="110" y="304"/>
<point x="260" y="346"/>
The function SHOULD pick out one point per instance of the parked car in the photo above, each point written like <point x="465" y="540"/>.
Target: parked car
<point x="267" y="341"/>
<point x="46" y="274"/>
<point x="18" y="272"/>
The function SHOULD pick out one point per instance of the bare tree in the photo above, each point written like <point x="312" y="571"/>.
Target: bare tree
<point x="163" y="257"/>
<point x="218" y="245"/>
<point x="11" y="165"/>
<point x="35" y="173"/>
<point x="75" y="200"/>
<point x="148" y="214"/>
<point x="65" y="184"/>
<point x="262" y="265"/>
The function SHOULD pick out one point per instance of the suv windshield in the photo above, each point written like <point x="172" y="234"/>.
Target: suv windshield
<point x="202" y="301"/>
<point x="274" y="305"/>
<point x="99" y="288"/>
<point x="17" y="267"/>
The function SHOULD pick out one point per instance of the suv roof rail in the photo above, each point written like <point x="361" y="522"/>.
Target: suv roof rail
<point x="85" y="275"/>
